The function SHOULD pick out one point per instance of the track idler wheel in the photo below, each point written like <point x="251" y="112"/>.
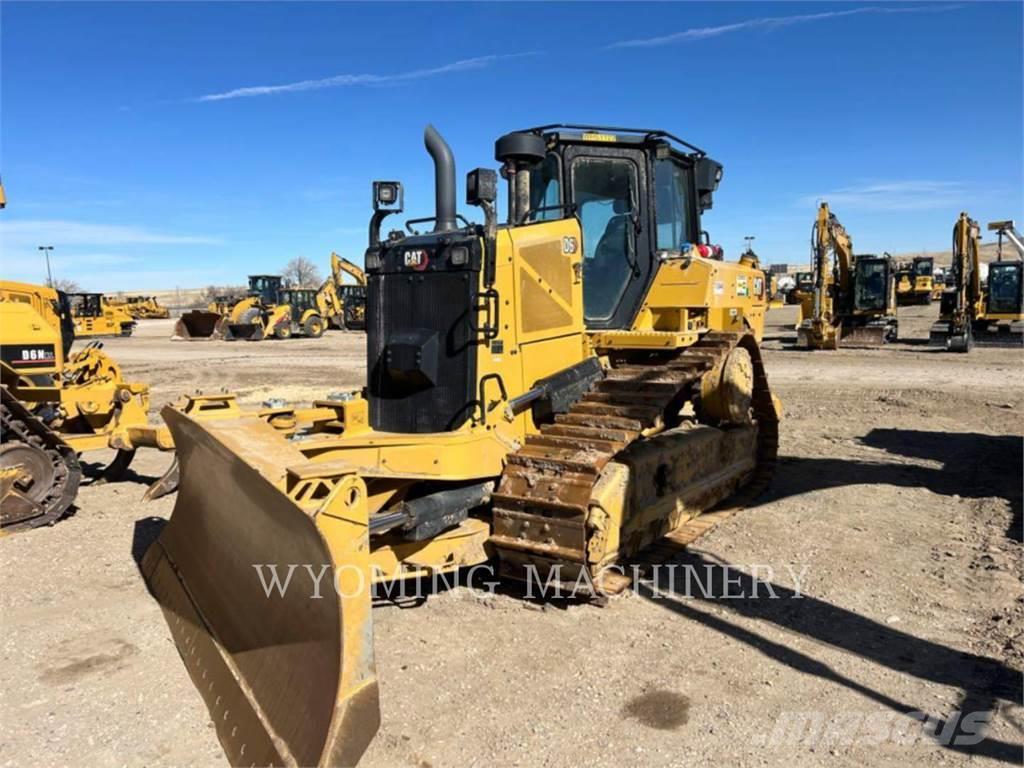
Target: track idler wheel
<point x="727" y="390"/>
<point x="26" y="478"/>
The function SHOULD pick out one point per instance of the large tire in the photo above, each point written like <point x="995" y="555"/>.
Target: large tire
<point x="283" y="330"/>
<point x="313" y="327"/>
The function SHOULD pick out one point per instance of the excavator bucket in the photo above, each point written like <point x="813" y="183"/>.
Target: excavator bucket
<point x="198" y="324"/>
<point x="285" y="668"/>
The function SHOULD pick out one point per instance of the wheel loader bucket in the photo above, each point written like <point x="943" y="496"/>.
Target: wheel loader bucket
<point x="198" y="324"/>
<point x="286" y="672"/>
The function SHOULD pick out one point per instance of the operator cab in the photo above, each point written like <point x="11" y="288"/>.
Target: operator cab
<point x="1005" y="288"/>
<point x="924" y="266"/>
<point x="299" y="299"/>
<point x="871" y="278"/>
<point x="637" y="193"/>
<point x="266" y="287"/>
<point x="86" y="304"/>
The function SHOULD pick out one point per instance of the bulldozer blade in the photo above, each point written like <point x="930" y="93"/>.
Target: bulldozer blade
<point x="286" y="672"/>
<point x="864" y="336"/>
<point x="198" y="325"/>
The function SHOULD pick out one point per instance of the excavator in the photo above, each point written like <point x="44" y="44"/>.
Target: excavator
<point x="58" y="404"/>
<point x="915" y="281"/>
<point x="853" y="301"/>
<point x="556" y="394"/>
<point x="976" y="313"/>
<point x="94" y="316"/>
<point x="345" y="303"/>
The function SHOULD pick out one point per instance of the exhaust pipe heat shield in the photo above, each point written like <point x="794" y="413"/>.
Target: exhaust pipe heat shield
<point x="288" y="677"/>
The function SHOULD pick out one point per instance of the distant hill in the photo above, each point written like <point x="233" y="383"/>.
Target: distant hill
<point x="988" y="253"/>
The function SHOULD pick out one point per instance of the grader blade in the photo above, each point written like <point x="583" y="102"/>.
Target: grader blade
<point x="198" y="325"/>
<point x="287" y="673"/>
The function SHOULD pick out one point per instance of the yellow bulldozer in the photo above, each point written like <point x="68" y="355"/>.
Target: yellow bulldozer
<point x="853" y="299"/>
<point x="140" y="307"/>
<point x="973" y="312"/>
<point x="554" y="394"/>
<point x="58" y="404"/>
<point x="915" y="281"/>
<point x="95" y="316"/>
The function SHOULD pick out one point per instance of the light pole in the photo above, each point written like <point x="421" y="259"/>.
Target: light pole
<point x="46" y="251"/>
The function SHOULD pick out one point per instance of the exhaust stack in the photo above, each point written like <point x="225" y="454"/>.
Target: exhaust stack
<point x="444" y="179"/>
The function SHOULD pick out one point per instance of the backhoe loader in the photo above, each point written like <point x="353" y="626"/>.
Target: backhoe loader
<point x="95" y="316"/>
<point x="915" y="281"/>
<point x="975" y="313"/>
<point x="555" y="394"/>
<point x="345" y="302"/>
<point x="853" y="301"/>
<point x="57" y="405"/>
<point x="271" y="310"/>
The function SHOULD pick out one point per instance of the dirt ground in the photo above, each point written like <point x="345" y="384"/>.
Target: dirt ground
<point x="896" y="513"/>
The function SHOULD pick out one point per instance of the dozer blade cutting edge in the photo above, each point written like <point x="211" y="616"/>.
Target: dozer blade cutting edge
<point x="288" y="678"/>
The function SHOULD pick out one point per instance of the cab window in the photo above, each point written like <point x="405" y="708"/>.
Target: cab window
<point x="545" y="191"/>
<point x="604" y="190"/>
<point x="671" y="187"/>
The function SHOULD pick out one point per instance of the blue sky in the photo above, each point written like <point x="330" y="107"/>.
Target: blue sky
<point x="162" y="145"/>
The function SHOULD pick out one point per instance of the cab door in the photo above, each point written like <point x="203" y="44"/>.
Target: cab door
<point x="608" y="187"/>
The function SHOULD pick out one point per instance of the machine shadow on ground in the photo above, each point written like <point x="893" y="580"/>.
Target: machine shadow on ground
<point x="974" y="466"/>
<point x="984" y="682"/>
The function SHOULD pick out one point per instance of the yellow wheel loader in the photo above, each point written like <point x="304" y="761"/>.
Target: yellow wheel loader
<point x="915" y="281"/>
<point x="95" y="316"/>
<point x="853" y="299"/>
<point x="58" y="404"/>
<point x="553" y="394"/>
<point x="975" y="313"/>
<point x="204" y="324"/>
<point x="271" y="310"/>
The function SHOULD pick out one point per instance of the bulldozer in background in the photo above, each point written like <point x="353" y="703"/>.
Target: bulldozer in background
<point x="989" y="313"/>
<point x="853" y="300"/>
<point x="57" y="405"/>
<point x="141" y="307"/>
<point x="95" y="316"/>
<point x="915" y="281"/>
<point x="555" y="394"/>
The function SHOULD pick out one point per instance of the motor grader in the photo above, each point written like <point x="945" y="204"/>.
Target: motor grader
<point x="57" y="405"/>
<point x="972" y="312"/>
<point x="95" y="316"/>
<point x="853" y="300"/>
<point x="554" y="393"/>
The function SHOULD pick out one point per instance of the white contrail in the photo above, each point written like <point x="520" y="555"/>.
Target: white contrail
<point x="342" y="81"/>
<point x="768" y="22"/>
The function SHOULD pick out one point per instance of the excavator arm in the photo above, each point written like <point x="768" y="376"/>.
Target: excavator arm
<point x="341" y="266"/>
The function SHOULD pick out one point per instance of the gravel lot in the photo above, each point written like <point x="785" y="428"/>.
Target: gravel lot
<point x="896" y="513"/>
